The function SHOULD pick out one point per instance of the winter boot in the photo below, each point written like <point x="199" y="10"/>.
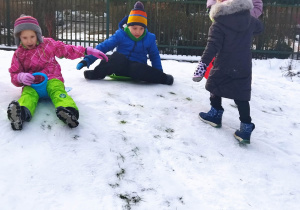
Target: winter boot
<point x="17" y="115"/>
<point x="243" y="135"/>
<point x="170" y="79"/>
<point x="94" y="75"/>
<point x="89" y="74"/>
<point x="213" y="117"/>
<point x="100" y="71"/>
<point x="68" y="115"/>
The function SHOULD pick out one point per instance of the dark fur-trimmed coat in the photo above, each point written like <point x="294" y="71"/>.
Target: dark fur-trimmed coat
<point x="230" y="40"/>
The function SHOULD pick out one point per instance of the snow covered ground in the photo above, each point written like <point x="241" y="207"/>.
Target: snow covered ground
<point x="142" y="146"/>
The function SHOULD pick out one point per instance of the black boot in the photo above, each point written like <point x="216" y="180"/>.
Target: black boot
<point x="100" y="71"/>
<point x="68" y="115"/>
<point x="17" y="115"/>
<point x="170" y="79"/>
<point x="90" y="74"/>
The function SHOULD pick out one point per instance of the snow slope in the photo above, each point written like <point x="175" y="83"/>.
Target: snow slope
<point x="142" y="146"/>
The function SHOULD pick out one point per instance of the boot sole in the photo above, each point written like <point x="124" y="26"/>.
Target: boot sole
<point x="210" y="123"/>
<point x="14" y="115"/>
<point x="242" y="141"/>
<point x="69" y="119"/>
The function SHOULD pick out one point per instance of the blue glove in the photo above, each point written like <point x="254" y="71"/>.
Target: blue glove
<point x="199" y="72"/>
<point x="81" y="64"/>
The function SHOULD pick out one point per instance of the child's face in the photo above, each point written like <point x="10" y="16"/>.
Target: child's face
<point x="28" y="38"/>
<point x="136" y="30"/>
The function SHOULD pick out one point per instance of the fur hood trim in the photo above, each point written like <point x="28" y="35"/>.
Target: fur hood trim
<point x="229" y="7"/>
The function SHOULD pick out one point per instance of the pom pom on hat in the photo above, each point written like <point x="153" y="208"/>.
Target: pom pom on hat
<point x="25" y="22"/>
<point x="209" y="3"/>
<point x="139" y="6"/>
<point x="137" y="16"/>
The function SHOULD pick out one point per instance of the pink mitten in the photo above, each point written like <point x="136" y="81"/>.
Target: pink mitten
<point x="96" y="53"/>
<point x="25" y="78"/>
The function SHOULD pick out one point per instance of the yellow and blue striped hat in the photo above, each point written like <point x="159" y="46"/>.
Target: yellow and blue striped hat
<point x="137" y="16"/>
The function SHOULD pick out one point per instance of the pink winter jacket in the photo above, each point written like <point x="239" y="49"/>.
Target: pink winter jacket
<point x="255" y="12"/>
<point x="42" y="59"/>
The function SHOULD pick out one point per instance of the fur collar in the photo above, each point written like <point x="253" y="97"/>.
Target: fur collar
<point x="229" y="7"/>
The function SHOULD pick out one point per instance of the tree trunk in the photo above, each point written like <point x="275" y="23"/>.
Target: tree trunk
<point x="44" y="12"/>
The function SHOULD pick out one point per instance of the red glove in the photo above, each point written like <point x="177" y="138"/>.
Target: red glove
<point x="96" y="53"/>
<point x="25" y="78"/>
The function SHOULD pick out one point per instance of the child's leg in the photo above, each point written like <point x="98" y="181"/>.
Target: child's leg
<point x="66" y="109"/>
<point x="216" y="102"/>
<point x="244" y="111"/>
<point x="29" y="99"/>
<point x="58" y="94"/>
<point x="117" y="63"/>
<point x="246" y="127"/>
<point x="143" y="72"/>
<point x="23" y="109"/>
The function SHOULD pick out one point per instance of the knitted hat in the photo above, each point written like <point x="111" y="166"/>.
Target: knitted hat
<point x="27" y="23"/>
<point x="137" y="16"/>
<point x="209" y="3"/>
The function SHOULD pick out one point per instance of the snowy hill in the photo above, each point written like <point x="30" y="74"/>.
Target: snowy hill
<point x="142" y="146"/>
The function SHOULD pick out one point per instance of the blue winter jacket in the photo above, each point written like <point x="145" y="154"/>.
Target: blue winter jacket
<point x="133" y="50"/>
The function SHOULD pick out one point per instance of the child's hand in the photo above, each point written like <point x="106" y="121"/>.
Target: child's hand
<point x="96" y="53"/>
<point x="199" y="72"/>
<point x="81" y="64"/>
<point x="25" y="78"/>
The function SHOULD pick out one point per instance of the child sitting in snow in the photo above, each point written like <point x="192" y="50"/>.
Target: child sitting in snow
<point x="37" y="54"/>
<point x="229" y="41"/>
<point x="133" y="42"/>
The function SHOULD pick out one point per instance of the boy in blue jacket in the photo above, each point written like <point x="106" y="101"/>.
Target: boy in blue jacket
<point x="133" y="42"/>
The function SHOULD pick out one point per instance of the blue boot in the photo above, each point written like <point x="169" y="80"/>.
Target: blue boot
<point x="213" y="117"/>
<point x="243" y="135"/>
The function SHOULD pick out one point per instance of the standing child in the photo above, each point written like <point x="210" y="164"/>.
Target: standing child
<point x="133" y="42"/>
<point x="256" y="11"/>
<point x="229" y="41"/>
<point x="37" y="54"/>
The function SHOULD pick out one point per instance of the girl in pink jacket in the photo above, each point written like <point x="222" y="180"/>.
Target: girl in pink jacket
<point x="37" y="54"/>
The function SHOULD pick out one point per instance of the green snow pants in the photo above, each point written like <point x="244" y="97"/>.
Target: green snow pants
<point x="56" y="92"/>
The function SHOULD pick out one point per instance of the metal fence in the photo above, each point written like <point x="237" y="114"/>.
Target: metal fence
<point x="180" y="26"/>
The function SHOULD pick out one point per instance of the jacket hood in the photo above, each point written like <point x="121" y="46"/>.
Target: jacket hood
<point x="235" y="14"/>
<point x="123" y="22"/>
